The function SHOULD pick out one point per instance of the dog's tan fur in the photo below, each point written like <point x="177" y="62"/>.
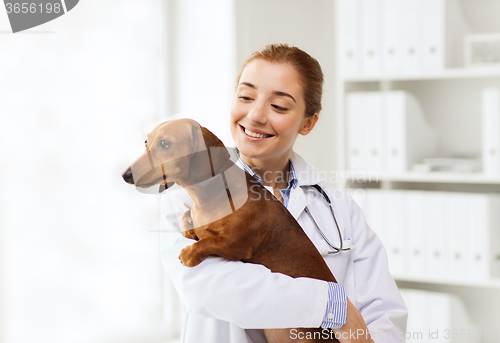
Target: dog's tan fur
<point x="260" y="231"/>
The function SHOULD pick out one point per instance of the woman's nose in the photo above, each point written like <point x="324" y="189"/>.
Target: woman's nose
<point x="258" y="114"/>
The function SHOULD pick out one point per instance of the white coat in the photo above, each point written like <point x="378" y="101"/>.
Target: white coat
<point x="230" y="301"/>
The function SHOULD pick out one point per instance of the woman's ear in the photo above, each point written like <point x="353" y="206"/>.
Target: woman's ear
<point x="308" y="124"/>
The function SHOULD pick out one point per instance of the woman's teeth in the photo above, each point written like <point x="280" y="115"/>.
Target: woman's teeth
<point x="255" y="135"/>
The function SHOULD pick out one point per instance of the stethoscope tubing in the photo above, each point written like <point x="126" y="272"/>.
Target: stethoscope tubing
<point x="330" y="244"/>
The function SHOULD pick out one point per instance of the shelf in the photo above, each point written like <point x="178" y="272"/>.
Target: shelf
<point x="492" y="284"/>
<point x="447" y="74"/>
<point x="472" y="178"/>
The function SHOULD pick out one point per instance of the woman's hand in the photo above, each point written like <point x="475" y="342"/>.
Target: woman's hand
<point x="354" y="330"/>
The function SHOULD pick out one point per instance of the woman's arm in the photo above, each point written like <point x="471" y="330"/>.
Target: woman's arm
<point x="246" y="294"/>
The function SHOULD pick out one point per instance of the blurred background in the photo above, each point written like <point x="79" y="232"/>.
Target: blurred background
<point x="79" y="248"/>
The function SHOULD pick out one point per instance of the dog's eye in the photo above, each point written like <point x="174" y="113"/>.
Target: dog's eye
<point x="146" y="143"/>
<point x="165" y="144"/>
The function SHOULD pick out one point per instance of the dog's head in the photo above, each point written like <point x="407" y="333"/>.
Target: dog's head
<point x="177" y="151"/>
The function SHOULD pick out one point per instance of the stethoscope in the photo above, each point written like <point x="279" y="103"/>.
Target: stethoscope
<point x="326" y="252"/>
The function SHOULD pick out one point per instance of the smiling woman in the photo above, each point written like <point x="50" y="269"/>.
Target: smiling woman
<point x="277" y="98"/>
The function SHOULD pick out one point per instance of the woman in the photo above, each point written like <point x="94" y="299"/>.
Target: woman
<point x="278" y="96"/>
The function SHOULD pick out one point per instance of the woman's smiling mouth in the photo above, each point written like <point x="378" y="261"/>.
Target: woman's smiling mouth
<point x="254" y="134"/>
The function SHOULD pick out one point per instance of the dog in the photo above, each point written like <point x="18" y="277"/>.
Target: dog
<point x="233" y="216"/>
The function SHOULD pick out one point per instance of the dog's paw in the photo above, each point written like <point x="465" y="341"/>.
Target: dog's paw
<point x="188" y="258"/>
<point x="190" y="234"/>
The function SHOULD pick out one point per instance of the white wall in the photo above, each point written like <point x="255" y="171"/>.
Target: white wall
<point x="78" y="259"/>
<point x="201" y="62"/>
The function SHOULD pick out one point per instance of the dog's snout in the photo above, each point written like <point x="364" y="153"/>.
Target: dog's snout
<point x="127" y="176"/>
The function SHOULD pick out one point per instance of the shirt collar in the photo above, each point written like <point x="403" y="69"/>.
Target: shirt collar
<point x="292" y="176"/>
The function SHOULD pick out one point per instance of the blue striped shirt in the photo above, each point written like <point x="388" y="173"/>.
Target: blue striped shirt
<point x="336" y="308"/>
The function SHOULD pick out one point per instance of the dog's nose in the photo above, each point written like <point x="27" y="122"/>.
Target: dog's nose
<point x="127" y="176"/>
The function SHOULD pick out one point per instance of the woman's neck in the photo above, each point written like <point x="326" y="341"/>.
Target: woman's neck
<point x="274" y="173"/>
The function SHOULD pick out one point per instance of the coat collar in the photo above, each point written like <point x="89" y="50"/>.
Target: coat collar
<point x="304" y="174"/>
<point x="306" y="177"/>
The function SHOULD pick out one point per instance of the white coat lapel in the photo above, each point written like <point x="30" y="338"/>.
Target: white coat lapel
<point x="305" y="176"/>
<point x="297" y="202"/>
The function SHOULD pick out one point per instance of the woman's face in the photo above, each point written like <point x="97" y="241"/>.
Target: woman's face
<point x="268" y="111"/>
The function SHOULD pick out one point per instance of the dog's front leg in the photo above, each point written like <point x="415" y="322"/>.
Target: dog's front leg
<point x="214" y="245"/>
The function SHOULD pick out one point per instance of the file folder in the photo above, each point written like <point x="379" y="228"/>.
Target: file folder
<point x="349" y="36"/>
<point x="370" y="36"/>
<point x="409" y="137"/>
<point x="411" y="14"/>
<point x="490" y="98"/>
<point x="418" y="234"/>
<point x="392" y="38"/>
<point x="437" y="214"/>
<point x="483" y="236"/>
<point x="459" y="267"/>
<point x="432" y="23"/>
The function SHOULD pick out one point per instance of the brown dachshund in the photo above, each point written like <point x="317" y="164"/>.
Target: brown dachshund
<point x="233" y="215"/>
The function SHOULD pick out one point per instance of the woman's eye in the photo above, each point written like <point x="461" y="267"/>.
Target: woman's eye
<point x="279" y="108"/>
<point x="246" y="98"/>
<point x="164" y="144"/>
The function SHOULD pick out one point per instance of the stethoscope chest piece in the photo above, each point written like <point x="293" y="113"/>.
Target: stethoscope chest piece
<point x="334" y="249"/>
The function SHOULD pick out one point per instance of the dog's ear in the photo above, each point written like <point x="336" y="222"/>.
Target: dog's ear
<point x="218" y="151"/>
<point x="209" y="155"/>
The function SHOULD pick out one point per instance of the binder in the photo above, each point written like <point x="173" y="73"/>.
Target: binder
<point x="360" y="197"/>
<point x="370" y="36"/>
<point x="432" y="23"/>
<point x="374" y="212"/>
<point x="409" y="137"/>
<point x="459" y="267"/>
<point x="376" y="218"/>
<point x="437" y="214"/>
<point x="418" y="234"/>
<point x="392" y="39"/>
<point x="483" y="236"/>
<point x="349" y="36"/>
<point x="374" y="122"/>
<point x="357" y="128"/>
<point x="393" y="206"/>
<point x="418" y="307"/>
<point x="364" y="112"/>
<point x="411" y="14"/>
<point x="490" y="98"/>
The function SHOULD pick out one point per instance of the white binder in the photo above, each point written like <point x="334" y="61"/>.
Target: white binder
<point x="483" y="236"/>
<point x="432" y="23"/>
<point x="374" y="124"/>
<point x="418" y="308"/>
<point x="459" y="267"/>
<point x="409" y="137"/>
<point x="392" y="39"/>
<point x="360" y="197"/>
<point x="437" y="214"/>
<point x="491" y="131"/>
<point x="349" y="36"/>
<point x="448" y="312"/>
<point x="370" y="36"/>
<point x="411" y="14"/>
<point x="393" y="205"/>
<point x="418" y="234"/>
<point x="357" y="114"/>
<point x="364" y="112"/>
<point x="374" y="212"/>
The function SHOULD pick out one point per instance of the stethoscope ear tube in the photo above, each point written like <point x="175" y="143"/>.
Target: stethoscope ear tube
<point x="325" y="252"/>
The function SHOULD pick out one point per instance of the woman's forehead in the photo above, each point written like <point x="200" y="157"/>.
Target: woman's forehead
<point x="264" y="75"/>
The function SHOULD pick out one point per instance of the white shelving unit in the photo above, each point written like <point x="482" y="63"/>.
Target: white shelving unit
<point x="451" y="101"/>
